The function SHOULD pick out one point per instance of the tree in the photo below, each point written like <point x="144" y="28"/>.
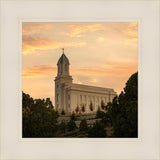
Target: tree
<point x="83" y="126"/>
<point x="91" y="106"/>
<point x="99" y="113"/>
<point x="77" y="109"/>
<point x="39" y="118"/>
<point x="27" y="101"/>
<point x="102" y="104"/>
<point x="73" y="117"/>
<point x="71" y="126"/>
<point x="83" y="108"/>
<point x="63" y="112"/>
<point x="97" y="131"/>
<point x="123" y="111"/>
<point x="63" y="127"/>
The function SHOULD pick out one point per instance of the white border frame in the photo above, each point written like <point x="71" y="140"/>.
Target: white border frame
<point x="7" y="153"/>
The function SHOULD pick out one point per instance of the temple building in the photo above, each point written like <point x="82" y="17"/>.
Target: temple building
<point x="79" y="98"/>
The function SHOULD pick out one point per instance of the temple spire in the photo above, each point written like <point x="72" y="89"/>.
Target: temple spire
<point x="63" y="50"/>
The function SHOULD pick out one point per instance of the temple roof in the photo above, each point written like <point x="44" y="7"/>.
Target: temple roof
<point x="63" y="58"/>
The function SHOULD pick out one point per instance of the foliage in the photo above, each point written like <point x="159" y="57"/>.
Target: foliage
<point x="98" y="130"/>
<point x="73" y="117"/>
<point x="123" y="111"/>
<point x="27" y="101"/>
<point x="91" y="106"/>
<point x="39" y="117"/>
<point x="102" y="104"/>
<point x="77" y="109"/>
<point x="83" y="108"/>
<point x="83" y="126"/>
<point x="71" y="126"/>
<point x="99" y="113"/>
<point x="63" y="112"/>
<point x="63" y="127"/>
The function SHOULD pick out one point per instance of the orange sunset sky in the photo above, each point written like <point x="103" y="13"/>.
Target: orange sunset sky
<point x="101" y="54"/>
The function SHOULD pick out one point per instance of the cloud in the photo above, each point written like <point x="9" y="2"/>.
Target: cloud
<point x="132" y="33"/>
<point x="100" y="39"/>
<point x="41" y="70"/>
<point x="93" y="80"/>
<point x="51" y="70"/>
<point x="78" y="30"/>
<point x="32" y="43"/>
<point x="131" y="41"/>
<point x="33" y="28"/>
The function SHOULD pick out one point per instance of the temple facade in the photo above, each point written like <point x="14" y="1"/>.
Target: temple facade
<point x="78" y="98"/>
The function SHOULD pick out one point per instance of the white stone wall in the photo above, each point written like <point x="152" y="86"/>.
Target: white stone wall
<point x="84" y="98"/>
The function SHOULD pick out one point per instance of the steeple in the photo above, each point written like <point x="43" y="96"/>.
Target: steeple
<point x="63" y="64"/>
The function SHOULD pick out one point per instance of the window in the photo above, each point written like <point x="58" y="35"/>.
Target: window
<point x="68" y="105"/>
<point x="80" y="97"/>
<point x="57" y="97"/>
<point x="68" y="97"/>
<point x="57" y="86"/>
<point x="97" y="99"/>
<point x="66" y="67"/>
<point x="58" y="69"/>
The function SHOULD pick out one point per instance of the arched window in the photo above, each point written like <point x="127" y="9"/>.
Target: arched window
<point x="65" y="67"/>
<point x="57" y="97"/>
<point x="80" y="97"/>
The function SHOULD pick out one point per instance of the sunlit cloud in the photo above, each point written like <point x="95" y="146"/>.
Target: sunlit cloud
<point x="41" y="70"/>
<point x="31" y="44"/>
<point x="33" y="28"/>
<point x="50" y="70"/>
<point x="132" y="33"/>
<point x="93" y="80"/>
<point x="118" y="67"/>
<point x="78" y="30"/>
<point x="131" y="41"/>
<point x="100" y="39"/>
<point x="132" y="30"/>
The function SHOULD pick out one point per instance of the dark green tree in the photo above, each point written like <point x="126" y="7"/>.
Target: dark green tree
<point x="63" y="127"/>
<point x="99" y="113"/>
<point x="71" y="126"/>
<point x="123" y="111"/>
<point x="27" y="101"/>
<point x="39" y="117"/>
<point x="97" y="131"/>
<point x="63" y="112"/>
<point x="83" y="126"/>
<point x="73" y="117"/>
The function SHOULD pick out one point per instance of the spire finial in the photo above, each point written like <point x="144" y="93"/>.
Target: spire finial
<point x="63" y="50"/>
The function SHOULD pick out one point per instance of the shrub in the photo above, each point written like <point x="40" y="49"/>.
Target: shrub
<point x="83" y="125"/>
<point x="71" y="126"/>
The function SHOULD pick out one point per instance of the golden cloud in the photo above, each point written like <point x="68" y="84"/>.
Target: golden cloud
<point x="41" y="70"/>
<point x="100" y="39"/>
<point x="93" y="80"/>
<point x="132" y="33"/>
<point x="32" y="28"/>
<point x="77" y="30"/>
<point x="50" y="70"/>
<point x="30" y="44"/>
<point x="132" y="30"/>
